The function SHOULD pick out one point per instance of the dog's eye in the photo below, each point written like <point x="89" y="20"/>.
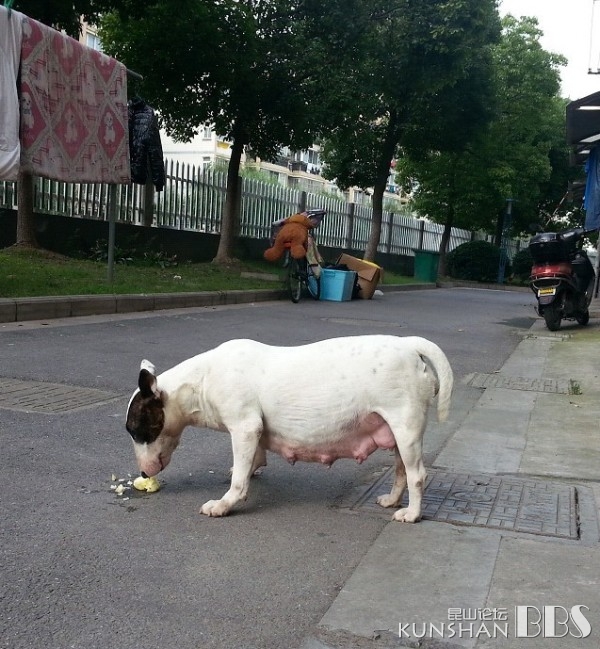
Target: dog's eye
<point x="142" y="436"/>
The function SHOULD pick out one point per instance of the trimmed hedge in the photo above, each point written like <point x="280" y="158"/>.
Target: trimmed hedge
<point x="521" y="265"/>
<point x="476" y="261"/>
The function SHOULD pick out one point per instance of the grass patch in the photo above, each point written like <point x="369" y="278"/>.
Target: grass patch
<point x="30" y="273"/>
<point x="27" y="273"/>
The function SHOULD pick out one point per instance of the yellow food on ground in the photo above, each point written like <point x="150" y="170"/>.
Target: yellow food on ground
<point x="149" y="485"/>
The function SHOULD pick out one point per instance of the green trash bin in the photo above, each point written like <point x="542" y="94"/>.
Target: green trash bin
<point x="426" y="265"/>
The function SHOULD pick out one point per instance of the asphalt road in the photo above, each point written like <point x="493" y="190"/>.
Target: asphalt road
<point x="81" y="567"/>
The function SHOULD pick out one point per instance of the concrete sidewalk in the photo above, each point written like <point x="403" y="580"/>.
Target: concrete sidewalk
<point x="508" y="553"/>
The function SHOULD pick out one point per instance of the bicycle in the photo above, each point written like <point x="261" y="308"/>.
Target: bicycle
<point x="301" y="272"/>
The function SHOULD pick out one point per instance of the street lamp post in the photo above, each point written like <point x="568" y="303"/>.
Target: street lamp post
<point x="506" y="223"/>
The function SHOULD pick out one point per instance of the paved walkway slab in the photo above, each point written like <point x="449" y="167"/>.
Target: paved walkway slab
<point x="414" y="574"/>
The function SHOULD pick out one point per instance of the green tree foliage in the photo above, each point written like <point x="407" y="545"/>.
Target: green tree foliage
<point x="63" y="14"/>
<point x="439" y="182"/>
<point x="531" y="122"/>
<point x="418" y="76"/>
<point x="521" y="154"/>
<point x="555" y="201"/>
<point x="240" y="66"/>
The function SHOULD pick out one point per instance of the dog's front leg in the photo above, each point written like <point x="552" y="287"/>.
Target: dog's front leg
<point x="245" y="446"/>
<point x="260" y="460"/>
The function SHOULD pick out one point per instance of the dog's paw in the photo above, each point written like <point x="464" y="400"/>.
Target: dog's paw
<point x="214" y="508"/>
<point x="387" y="501"/>
<point x="407" y="515"/>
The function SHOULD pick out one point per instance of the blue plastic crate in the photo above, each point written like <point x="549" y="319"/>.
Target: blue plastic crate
<point x="336" y="285"/>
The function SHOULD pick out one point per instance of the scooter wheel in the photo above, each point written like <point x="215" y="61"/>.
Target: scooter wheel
<point x="583" y="318"/>
<point x="552" y="318"/>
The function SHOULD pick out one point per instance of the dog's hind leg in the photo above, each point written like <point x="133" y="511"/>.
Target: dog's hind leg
<point x="394" y="498"/>
<point x="415" y="476"/>
<point x="408" y="428"/>
<point x="260" y="460"/>
<point x="245" y="451"/>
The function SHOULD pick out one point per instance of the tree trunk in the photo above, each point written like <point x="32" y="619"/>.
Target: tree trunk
<point x="383" y="171"/>
<point x="444" y="247"/>
<point x="447" y="233"/>
<point x="375" y="233"/>
<point x="230" y="220"/>
<point x="25" y="226"/>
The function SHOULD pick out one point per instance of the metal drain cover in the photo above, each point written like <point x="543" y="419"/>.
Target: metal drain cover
<point x="557" y="386"/>
<point x="38" y="396"/>
<point x="505" y="503"/>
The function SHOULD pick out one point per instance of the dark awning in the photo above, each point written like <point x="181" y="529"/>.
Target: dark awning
<point x="583" y="126"/>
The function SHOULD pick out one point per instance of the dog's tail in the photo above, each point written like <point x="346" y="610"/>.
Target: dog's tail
<point x="436" y="358"/>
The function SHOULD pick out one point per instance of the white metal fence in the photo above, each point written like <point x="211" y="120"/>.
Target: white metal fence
<point x="193" y="199"/>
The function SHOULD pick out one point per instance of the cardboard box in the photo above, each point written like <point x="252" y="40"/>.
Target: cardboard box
<point x="336" y="285"/>
<point x="369" y="274"/>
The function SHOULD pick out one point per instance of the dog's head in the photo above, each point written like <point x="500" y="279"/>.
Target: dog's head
<point x="154" y="430"/>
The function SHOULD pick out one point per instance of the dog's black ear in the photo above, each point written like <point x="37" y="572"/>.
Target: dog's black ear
<point x="147" y="384"/>
<point x="147" y="380"/>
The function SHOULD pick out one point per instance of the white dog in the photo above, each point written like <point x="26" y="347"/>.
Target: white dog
<point x="366" y="392"/>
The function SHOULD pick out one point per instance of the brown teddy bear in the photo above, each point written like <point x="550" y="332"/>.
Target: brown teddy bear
<point x="293" y="234"/>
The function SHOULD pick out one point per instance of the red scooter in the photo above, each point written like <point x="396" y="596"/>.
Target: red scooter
<point x="562" y="276"/>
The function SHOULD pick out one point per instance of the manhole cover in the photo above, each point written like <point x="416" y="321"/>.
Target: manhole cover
<point x="38" y="396"/>
<point x="558" y="386"/>
<point x="506" y="503"/>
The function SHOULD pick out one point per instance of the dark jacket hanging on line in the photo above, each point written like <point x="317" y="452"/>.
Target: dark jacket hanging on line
<point x="144" y="144"/>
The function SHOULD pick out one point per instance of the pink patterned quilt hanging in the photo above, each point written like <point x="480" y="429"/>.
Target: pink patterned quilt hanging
<point x="73" y="109"/>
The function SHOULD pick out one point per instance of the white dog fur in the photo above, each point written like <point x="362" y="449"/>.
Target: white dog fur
<point x="338" y="398"/>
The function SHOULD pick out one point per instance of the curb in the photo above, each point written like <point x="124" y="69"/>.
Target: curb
<point x="451" y="283"/>
<point x="43" y="308"/>
<point x="21" y="309"/>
